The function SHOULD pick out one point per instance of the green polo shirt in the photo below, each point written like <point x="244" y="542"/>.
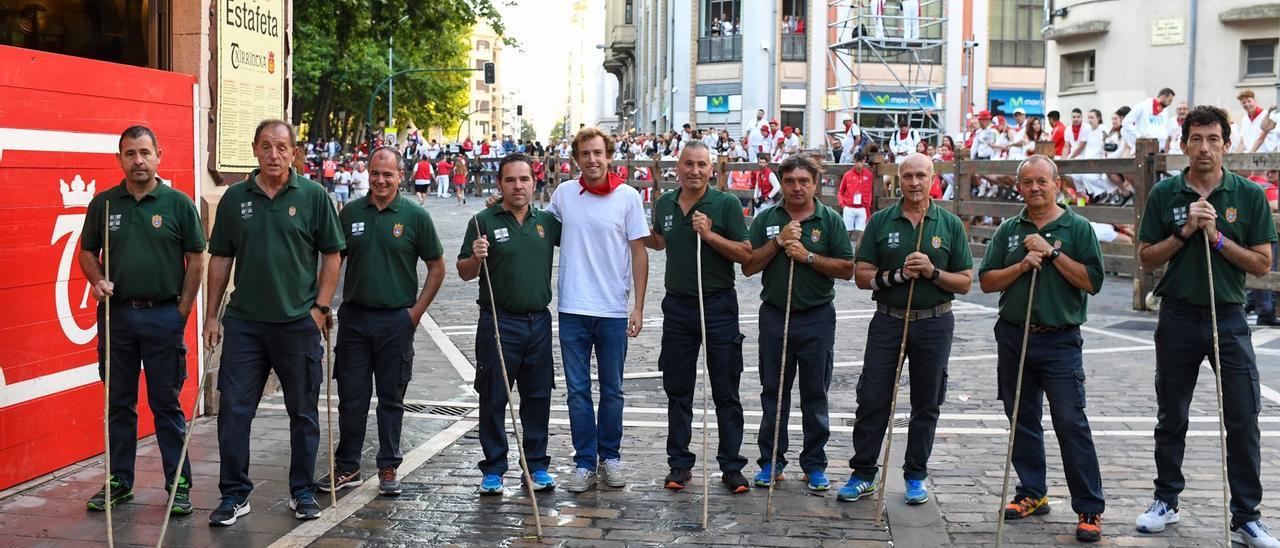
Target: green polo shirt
<point x="1244" y="217"/>
<point x="275" y="243"/>
<point x="822" y="233"/>
<point x="1057" y="302"/>
<point x="676" y="227"/>
<point x="890" y="237"/>
<point x="519" y="258"/>
<point x="148" y="239"/>
<point x="383" y="249"/>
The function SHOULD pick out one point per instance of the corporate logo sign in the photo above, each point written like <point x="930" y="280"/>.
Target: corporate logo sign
<point x="897" y="100"/>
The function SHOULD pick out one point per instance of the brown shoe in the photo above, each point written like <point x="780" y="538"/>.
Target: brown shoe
<point x="1090" y="528"/>
<point x="341" y="480"/>
<point x="388" y="485"/>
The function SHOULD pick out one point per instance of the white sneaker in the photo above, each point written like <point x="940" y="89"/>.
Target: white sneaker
<point x="581" y="481"/>
<point x="1157" y="516"/>
<point x="612" y="474"/>
<point x="1254" y="534"/>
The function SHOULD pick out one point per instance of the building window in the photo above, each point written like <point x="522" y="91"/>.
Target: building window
<point x="1258" y="58"/>
<point x="626" y="12"/>
<point x="481" y="86"/>
<point x="482" y="44"/>
<point x="482" y="106"/>
<point x="793" y="17"/>
<point x="720" y="49"/>
<point x="794" y="47"/>
<point x="1078" y="71"/>
<point x="793" y="119"/>
<point x="721" y="17"/>
<point x="119" y="32"/>
<point x="1016" y="40"/>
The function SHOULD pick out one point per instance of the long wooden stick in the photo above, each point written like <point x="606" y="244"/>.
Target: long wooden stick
<point x="1017" y="400"/>
<point x="328" y="411"/>
<point x="106" y="375"/>
<point x="782" y="376"/>
<point x="897" y="379"/>
<point x="706" y="374"/>
<point x="1217" y="379"/>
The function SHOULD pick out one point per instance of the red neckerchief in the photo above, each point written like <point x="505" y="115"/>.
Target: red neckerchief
<point x="1156" y="107"/>
<point x="762" y="182"/>
<point x="612" y="181"/>
<point x="1075" y="131"/>
<point x="1255" y="113"/>
<point x="968" y="142"/>
<point x="902" y="134"/>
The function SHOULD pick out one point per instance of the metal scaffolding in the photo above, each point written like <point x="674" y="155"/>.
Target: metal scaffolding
<point x="881" y="74"/>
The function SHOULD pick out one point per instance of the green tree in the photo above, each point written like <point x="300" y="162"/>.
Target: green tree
<point x="341" y="55"/>
<point x="557" y="131"/>
<point x="527" y="132"/>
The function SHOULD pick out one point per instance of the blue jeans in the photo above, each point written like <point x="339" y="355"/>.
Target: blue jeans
<point x="578" y="335"/>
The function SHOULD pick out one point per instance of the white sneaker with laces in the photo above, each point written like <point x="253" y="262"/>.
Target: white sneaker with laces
<point x="581" y="481"/>
<point x="612" y="474"/>
<point x="1255" y="535"/>
<point x="1157" y="516"/>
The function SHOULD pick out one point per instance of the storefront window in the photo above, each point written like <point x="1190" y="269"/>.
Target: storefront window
<point x="119" y="31"/>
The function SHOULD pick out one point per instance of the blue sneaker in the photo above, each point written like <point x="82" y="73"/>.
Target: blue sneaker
<point x="762" y="478"/>
<point x="917" y="493"/>
<point x="818" y="481"/>
<point x="492" y="485"/>
<point x="854" y="489"/>
<point x="542" y="481"/>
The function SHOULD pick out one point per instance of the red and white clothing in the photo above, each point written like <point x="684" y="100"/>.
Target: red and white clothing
<point x="902" y="144"/>
<point x="1251" y="130"/>
<point x="1072" y="136"/>
<point x="765" y="187"/>
<point x="855" y="195"/>
<point x="1146" y="119"/>
<point x="595" y="247"/>
<point x="1059" y="138"/>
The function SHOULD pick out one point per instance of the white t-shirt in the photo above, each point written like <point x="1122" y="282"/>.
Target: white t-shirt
<point x="983" y="144"/>
<point x="595" y="252"/>
<point x="1175" y="137"/>
<point x="342" y="180"/>
<point x="360" y="180"/>
<point x="1143" y="122"/>
<point x="1251" y="129"/>
<point x="846" y="144"/>
<point x="1093" y="138"/>
<point x="1272" y="143"/>
<point x="1018" y="151"/>
<point x="1070" y="139"/>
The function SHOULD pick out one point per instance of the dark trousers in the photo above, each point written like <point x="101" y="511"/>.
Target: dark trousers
<point x="810" y="349"/>
<point x="1184" y="338"/>
<point x="1055" y="368"/>
<point x="1264" y="302"/>
<point x="928" y="349"/>
<point x="374" y="351"/>
<point x="678" y="361"/>
<point x="526" y="348"/>
<point x="250" y="351"/>
<point x="150" y="338"/>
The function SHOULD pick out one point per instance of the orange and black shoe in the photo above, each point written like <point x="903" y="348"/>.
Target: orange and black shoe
<point x="1023" y="506"/>
<point x="677" y="479"/>
<point x="735" y="482"/>
<point x="1089" y="528"/>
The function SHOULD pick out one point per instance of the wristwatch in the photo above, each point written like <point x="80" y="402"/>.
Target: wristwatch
<point x="323" y="309"/>
<point x="1054" y="254"/>
<point x="937" y="273"/>
<point x="810" y="258"/>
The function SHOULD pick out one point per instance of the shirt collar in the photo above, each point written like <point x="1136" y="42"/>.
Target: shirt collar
<point x="817" y="210"/>
<point x="706" y="196"/>
<point x="1063" y="220"/>
<point x="292" y="182"/>
<point x="1229" y="182"/>
<point x="394" y="206"/>
<point x="154" y="193"/>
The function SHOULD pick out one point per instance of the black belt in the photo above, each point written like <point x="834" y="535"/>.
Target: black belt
<point x="143" y="303"/>
<point x="1040" y="329"/>
<point x="923" y="314"/>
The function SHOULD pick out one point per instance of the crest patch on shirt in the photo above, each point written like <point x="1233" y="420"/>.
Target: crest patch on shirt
<point x="1231" y="214"/>
<point x="1057" y="244"/>
<point x="246" y="210"/>
<point x="542" y="232"/>
<point x="772" y="231"/>
<point x="113" y="222"/>
<point x="668" y="222"/>
<point x="357" y="229"/>
<point x="293" y="210"/>
<point x="1013" y="242"/>
<point x="157" y="221"/>
<point x="1180" y="216"/>
<point x="815" y="235"/>
<point x="894" y="239"/>
<point x="397" y="230"/>
<point x="937" y="242"/>
<point x="501" y="234"/>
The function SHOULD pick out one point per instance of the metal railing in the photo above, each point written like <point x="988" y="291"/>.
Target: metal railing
<point x="720" y="49"/>
<point x="794" y="47"/>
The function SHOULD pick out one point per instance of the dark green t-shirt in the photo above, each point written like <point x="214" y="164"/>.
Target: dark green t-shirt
<point x="1057" y="302"/>
<point x="276" y="244"/>
<point x="676" y="227"/>
<point x="1244" y="217"/>
<point x="822" y="233"/>
<point x="890" y="237"/>
<point x="148" y="239"/>
<point x="383" y="249"/>
<point x="520" y="256"/>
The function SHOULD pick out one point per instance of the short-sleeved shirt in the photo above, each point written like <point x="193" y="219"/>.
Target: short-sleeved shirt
<point x="821" y="233"/>
<point x="383" y="249"/>
<point x="275" y="242"/>
<point x="595" y="248"/>
<point x="1057" y="302"/>
<point x="671" y="222"/>
<point x="890" y="237"/>
<point x="520" y="257"/>
<point x="149" y="238"/>
<point x="1244" y="217"/>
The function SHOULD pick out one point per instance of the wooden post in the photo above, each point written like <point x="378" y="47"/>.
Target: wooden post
<point x="724" y="175"/>
<point x="1045" y="148"/>
<point x="1144" y="178"/>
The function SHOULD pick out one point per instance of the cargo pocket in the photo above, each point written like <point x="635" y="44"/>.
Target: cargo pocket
<point x="406" y="367"/>
<point x="737" y="353"/>
<point x="1080" y="399"/>
<point x="315" y="370"/>
<point x="942" y="389"/>
<point x="1257" y="392"/>
<point x="181" y="360"/>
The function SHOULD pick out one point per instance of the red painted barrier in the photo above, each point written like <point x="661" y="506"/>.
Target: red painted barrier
<point x="60" y="120"/>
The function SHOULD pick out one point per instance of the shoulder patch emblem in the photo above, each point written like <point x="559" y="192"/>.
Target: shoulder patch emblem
<point x="357" y="228"/>
<point x="1180" y="215"/>
<point x="1013" y="242"/>
<point x="894" y="238"/>
<point x="157" y="221"/>
<point x="1231" y="214"/>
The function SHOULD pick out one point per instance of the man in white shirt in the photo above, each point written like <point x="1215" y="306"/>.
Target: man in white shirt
<point x="1252" y="134"/>
<point x="1174" y="143"/>
<point x="1148" y="119"/>
<point x="984" y="141"/>
<point x="851" y="139"/>
<point x="1017" y="136"/>
<point x="759" y="142"/>
<point x="1090" y="147"/>
<point x="1074" y="133"/>
<point x="910" y="20"/>
<point x="602" y="260"/>
<point x="903" y="142"/>
<point x="790" y="141"/>
<point x="359" y="181"/>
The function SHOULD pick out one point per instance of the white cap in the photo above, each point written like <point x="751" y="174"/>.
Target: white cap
<point x="1019" y="111"/>
<point x="844" y="117"/>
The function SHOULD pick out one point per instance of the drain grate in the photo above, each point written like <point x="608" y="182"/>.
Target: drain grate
<point x="445" y="410"/>
<point x="897" y="423"/>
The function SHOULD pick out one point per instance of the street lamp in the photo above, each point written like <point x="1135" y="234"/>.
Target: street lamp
<point x="391" y="89"/>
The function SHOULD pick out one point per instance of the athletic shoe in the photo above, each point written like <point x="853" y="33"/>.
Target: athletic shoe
<point x="763" y="478"/>
<point x="581" y="481"/>
<point x="677" y="479"/>
<point x="1255" y="535"/>
<point x="612" y="475"/>
<point x="855" y="489"/>
<point x="916" y="493"/>
<point x="228" y="510"/>
<point x="388" y="485"/>
<point x="119" y="493"/>
<point x="542" y="481"/>
<point x="491" y="485"/>
<point x="341" y="480"/>
<point x="182" y="499"/>
<point x="304" y="505"/>
<point x="1090" y="527"/>
<point x="817" y="481"/>
<point x="735" y="482"/>
<point x="1157" y="516"/>
<point x="1023" y="506"/>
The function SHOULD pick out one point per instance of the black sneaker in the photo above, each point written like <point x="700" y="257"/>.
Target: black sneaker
<point x="304" y="505"/>
<point x="341" y="480"/>
<point x="735" y="482"/>
<point x="182" y="498"/>
<point x="119" y="493"/>
<point x="677" y="478"/>
<point x="228" y="510"/>
<point x="388" y="485"/>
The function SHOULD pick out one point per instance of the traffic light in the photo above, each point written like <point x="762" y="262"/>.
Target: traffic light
<point x="490" y="75"/>
<point x="519" y="110"/>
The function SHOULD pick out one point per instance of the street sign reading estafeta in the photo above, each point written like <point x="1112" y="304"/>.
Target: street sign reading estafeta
<point x="251" y="76"/>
